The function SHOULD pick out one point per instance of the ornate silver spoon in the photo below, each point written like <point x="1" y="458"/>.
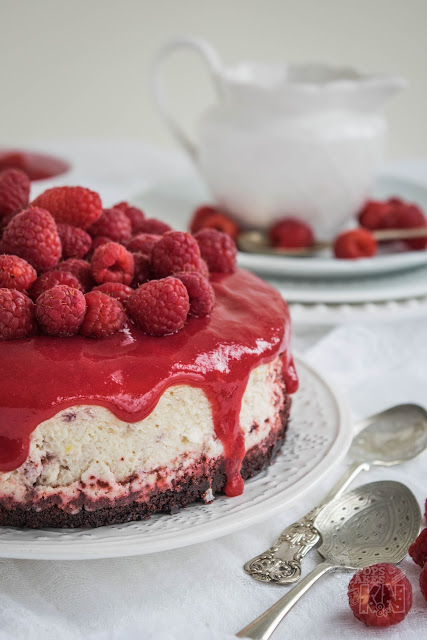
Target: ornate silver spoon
<point x="385" y="439"/>
<point x="374" y="523"/>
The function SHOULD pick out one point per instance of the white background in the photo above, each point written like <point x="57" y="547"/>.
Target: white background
<point x="80" y="68"/>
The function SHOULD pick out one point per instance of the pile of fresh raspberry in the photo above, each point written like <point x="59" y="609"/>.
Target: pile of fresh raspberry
<point x="71" y="266"/>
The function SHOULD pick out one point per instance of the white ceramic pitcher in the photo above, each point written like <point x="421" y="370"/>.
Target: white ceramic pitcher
<point x="300" y="140"/>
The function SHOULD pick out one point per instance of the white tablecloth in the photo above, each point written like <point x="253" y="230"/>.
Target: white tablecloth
<point x="201" y="592"/>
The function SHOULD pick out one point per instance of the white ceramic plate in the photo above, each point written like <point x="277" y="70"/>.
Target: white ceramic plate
<point x="397" y="286"/>
<point x="319" y="436"/>
<point x="176" y="201"/>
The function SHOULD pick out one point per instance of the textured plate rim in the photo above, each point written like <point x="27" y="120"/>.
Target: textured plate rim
<point x="82" y="550"/>
<point x="322" y="313"/>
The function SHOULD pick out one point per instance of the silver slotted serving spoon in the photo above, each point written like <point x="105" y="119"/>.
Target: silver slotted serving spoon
<point x="385" y="439"/>
<point x="373" y="523"/>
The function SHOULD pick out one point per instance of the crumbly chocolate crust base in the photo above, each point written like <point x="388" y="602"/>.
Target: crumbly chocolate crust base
<point x="189" y="490"/>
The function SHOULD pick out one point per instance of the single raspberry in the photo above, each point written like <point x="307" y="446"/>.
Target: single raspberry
<point x="113" y="224"/>
<point x="104" y="316"/>
<point x="135" y="215"/>
<point x="380" y="595"/>
<point x="200" y="293"/>
<point x="17" y="319"/>
<point x="373" y="214"/>
<point x="357" y="243"/>
<point x="175" y="251"/>
<point x="142" y="269"/>
<point x="218" y="250"/>
<point x="418" y="549"/>
<point x="208" y="217"/>
<point x="152" y="225"/>
<point x="14" y="191"/>
<point x="4" y="221"/>
<point x="32" y="235"/>
<point x="290" y="233"/>
<point x="112" y="263"/>
<point x="423" y="581"/>
<point x="79" y="268"/>
<point x="203" y="269"/>
<point x="200" y="215"/>
<point x="395" y="213"/>
<point x="51" y="279"/>
<point x="60" y="310"/>
<point x="408" y="216"/>
<point x="98" y="241"/>
<point x="159" y="307"/>
<point x="76" y="243"/>
<point x="143" y="242"/>
<point x="403" y="215"/>
<point x="16" y="273"/>
<point x="116" y="290"/>
<point x="77" y="206"/>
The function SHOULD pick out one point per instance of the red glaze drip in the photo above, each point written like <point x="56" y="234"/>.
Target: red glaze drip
<point x="128" y="372"/>
<point x="37" y="166"/>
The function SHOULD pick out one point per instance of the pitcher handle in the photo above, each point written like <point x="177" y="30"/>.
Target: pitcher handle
<point x="213" y="61"/>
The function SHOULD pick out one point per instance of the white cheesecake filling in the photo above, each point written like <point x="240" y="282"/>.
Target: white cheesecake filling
<point x="87" y="449"/>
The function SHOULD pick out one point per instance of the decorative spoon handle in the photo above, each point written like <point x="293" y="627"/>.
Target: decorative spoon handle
<point x="281" y="563"/>
<point x="264" y="626"/>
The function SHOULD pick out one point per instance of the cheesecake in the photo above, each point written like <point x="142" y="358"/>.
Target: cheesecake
<point x="97" y="432"/>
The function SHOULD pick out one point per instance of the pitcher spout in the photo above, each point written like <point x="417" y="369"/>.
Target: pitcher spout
<point x="377" y="90"/>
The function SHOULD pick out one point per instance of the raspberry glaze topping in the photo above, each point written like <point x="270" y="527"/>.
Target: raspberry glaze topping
<point x="249" y="325"/>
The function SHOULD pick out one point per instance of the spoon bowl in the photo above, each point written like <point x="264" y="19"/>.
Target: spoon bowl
<point x="373" y="523"/>
<point x="392" y="436"/>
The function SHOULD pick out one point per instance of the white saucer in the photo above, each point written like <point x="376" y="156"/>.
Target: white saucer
<point x="175" y="202"/>
<point x="319" y="437"/>
<point x="397" y="286"/>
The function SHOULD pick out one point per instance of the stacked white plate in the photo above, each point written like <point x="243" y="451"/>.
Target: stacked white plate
<point x="321" y="290"/>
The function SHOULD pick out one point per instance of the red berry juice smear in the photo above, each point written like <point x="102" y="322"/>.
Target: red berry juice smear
<point x="37" y="166"/>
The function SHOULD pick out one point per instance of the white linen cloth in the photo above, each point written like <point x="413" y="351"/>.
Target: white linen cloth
<point x="201" y="592"/>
